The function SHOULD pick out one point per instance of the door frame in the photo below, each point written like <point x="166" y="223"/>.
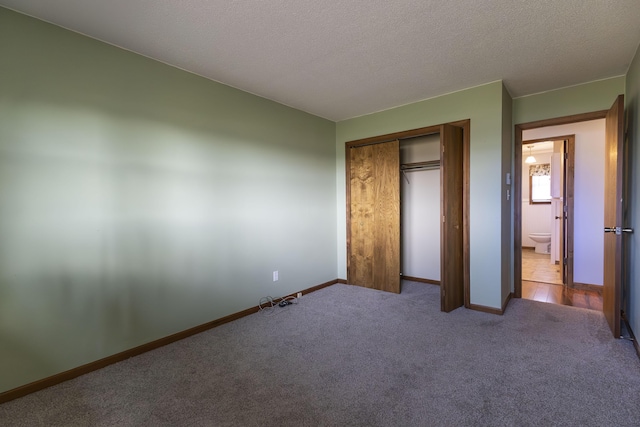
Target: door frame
<point x="568" y="191"/>
<point x="424" y="131"/>
<point x="517" y="183"/>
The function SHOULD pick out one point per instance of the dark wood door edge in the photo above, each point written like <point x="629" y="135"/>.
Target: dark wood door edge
<point x="135" y="351"/>
<point x="506" y="302"/>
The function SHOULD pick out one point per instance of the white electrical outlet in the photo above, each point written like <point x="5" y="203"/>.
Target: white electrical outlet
<point x="275" y="276"/>
<point x="299" y="295"/>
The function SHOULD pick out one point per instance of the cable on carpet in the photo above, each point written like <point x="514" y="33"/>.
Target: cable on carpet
<point x="268" y="304"/>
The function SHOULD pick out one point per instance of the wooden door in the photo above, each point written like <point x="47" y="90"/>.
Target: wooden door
<point x="451" y="240"/>
<point x="613" y="215"/>
<point x="374" y="216"/>
<point x="568" y="210"/>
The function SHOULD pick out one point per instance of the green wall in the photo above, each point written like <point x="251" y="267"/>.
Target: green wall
<point x="585" y="98"/>
<point x="632" y="126"/>
<point x="483" y="105"/>
<point x="507" y="196"/>
<point x="138" y="200"/>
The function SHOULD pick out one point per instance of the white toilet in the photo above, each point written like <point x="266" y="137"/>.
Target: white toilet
<point x="543" y="242"/>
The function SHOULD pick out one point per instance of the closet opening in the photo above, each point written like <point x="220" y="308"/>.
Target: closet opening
<point x="407" y="211"/>
<point x="420" y="209"/>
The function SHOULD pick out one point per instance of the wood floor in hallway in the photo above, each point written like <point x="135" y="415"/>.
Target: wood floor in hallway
<point x="542" y="281"/>
<point x="557" y="294"/>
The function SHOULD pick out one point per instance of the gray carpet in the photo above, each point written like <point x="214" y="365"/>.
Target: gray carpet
<point x="348" y="356"/>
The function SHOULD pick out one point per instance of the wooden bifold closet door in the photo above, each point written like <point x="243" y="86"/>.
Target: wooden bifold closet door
<point x="373" y="213"/>
<point x="452" y="227"/>
<point x="374" y="226"/>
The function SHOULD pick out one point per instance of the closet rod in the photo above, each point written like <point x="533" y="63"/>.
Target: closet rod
<point x="432" y="164"/>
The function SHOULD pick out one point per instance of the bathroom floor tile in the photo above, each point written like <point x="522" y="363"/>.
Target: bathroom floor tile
<point x="538" y="268"/>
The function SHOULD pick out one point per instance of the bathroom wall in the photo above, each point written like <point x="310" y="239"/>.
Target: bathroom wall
<point x="589" y="195"/>
<point x="420" y="209"/>
<point x="535" y="218"/>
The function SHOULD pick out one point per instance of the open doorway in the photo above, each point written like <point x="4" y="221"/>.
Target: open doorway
<point x="559" y="244"/>
<point x="542" y="214"/>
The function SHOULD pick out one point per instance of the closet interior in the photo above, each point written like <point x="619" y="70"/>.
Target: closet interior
<point x="420" y="209"/>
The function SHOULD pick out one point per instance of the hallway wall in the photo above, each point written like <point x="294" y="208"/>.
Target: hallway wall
<point x="588" y="196"/>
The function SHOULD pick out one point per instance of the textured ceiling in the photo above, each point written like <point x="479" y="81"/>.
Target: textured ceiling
<point x="341" y="59"/>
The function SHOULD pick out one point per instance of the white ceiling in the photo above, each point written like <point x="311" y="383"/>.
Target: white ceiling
<point x="537" y="147"/>
<point x="341" y="59"/>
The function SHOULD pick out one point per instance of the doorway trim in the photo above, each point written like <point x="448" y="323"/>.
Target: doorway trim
<point x="424" y="131"/>
<point x="566" y="237"/>
<point x="517" y="183"/>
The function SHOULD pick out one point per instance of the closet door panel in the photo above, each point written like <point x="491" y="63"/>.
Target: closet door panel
<point x="374" y="226"/>
<point x="451" y="242"/>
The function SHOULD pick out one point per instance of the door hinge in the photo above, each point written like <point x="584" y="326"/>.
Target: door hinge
<point x="565" y="261"/>
<point x="442" y="218"/>
<point x="565" y="208"/>
<point x="566" y="156"/>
